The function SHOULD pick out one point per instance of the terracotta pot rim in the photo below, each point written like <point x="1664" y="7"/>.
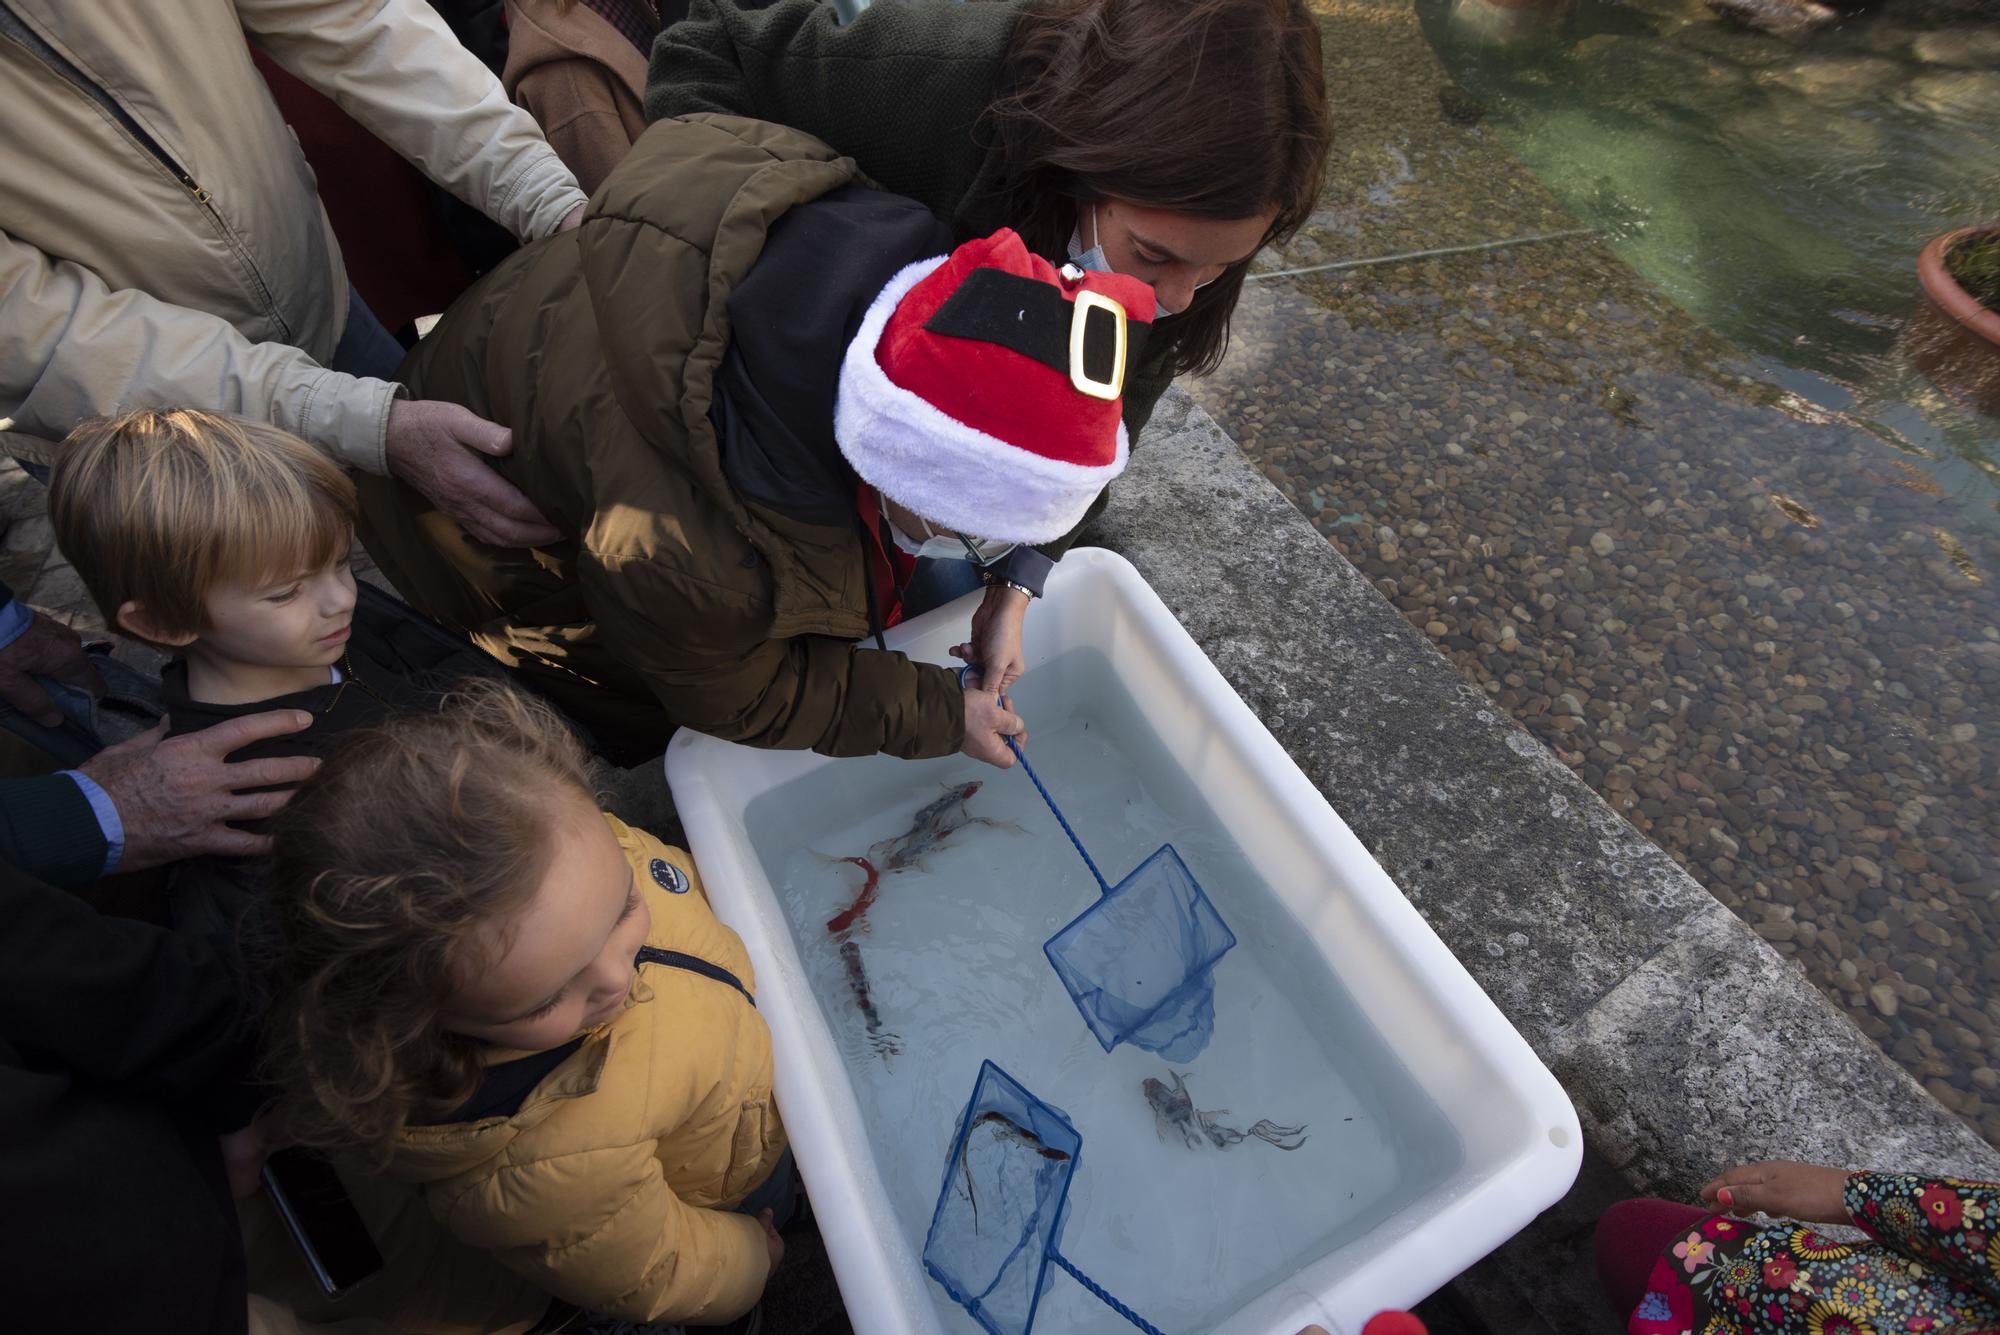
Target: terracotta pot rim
<point x="1945" y="291"/>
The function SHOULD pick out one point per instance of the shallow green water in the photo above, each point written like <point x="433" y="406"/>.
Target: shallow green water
<point x="1779" y="193"/>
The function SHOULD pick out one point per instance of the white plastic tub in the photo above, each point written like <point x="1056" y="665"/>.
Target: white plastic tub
<point x="1310" y="904"/>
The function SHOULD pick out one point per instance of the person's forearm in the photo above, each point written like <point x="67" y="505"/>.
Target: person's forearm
<point x="109" y="823"/>
<point x="398" y="70"/>
<point x="85" y="349"/>
<point x="48" y="829"/>
<point x="124" y="1003"/>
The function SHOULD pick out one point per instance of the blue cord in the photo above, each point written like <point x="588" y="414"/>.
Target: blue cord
<point x="1015" y="747"/>
<point x="1042" y="788"/>
<point x="1120" y="1308"/>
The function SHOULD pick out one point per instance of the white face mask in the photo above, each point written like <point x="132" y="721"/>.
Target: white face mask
<point x="947" y="546"/>
<point x="941" y="548"/>
<point x="1093" y="261"/>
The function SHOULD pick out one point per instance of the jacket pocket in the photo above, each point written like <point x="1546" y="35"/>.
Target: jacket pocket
<point x="752" y="1153"/>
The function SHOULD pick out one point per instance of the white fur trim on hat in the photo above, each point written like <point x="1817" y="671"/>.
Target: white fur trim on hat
<point x="940" y="469"/>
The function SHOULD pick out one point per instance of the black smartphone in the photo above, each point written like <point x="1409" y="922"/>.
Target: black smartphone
<point x="322" y="1220"/>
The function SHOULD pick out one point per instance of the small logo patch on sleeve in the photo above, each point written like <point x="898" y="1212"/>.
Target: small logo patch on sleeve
<point x="671" y="878"/>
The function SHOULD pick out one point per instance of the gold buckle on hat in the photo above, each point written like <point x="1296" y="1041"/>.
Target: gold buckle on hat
<point x="1079" y="323"/>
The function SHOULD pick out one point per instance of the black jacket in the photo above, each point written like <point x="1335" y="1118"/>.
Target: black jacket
<point x="123" y="1049"/>
<point x="47" y="827"/>
<point x="397" y="659"/>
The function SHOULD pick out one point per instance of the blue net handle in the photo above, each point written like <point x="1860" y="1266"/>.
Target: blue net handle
<point x="1120" y="1308"/>
<point x="1103" y="885"/>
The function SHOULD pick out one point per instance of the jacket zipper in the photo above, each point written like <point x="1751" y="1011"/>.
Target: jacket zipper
<point x="675" y="959"/>
<point x="13" y="25"/>
<point x="17" y="28"/>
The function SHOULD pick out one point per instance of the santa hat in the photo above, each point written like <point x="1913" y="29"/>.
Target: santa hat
<point x="982" y="391"/>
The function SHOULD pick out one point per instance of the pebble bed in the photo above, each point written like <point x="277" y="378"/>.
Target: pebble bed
<point x="1758" y="631"/>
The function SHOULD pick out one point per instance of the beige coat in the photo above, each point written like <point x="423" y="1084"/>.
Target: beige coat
<point x="580" y="78"/>
<point x="161" y="238"/>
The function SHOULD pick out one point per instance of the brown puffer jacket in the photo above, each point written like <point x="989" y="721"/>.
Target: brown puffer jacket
<point x="673" y="600"/>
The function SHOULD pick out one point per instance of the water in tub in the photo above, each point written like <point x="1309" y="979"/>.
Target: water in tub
<point x="944" y="968"/>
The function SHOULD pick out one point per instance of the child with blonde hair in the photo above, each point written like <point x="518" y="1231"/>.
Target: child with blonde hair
<point x="227" y="542"/>
<point x="496" y="993"/>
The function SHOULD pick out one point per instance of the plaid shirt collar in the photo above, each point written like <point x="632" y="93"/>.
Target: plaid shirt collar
<point x="637" y="20"/>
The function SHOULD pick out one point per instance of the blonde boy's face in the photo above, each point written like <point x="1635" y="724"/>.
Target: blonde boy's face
<point x="301" y="621"/>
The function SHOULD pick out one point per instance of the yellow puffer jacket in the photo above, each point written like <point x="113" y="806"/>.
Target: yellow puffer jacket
<point x="612" y="1186"/>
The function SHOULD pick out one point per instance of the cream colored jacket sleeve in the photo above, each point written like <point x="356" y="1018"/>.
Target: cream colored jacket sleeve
<point x="70" y="347"/>
<point x="396" y="68"/>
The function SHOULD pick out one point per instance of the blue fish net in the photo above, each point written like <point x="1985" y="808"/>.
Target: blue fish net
<point x="1139" y="963"/>
<point x="997" y="1231"/>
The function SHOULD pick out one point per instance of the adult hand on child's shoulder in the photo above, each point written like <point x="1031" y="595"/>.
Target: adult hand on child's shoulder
<point x="176" y="796"/>
<point x="1800" y="1191"/>
<point x="435" y="447"/>
<point x="47" y="648"/>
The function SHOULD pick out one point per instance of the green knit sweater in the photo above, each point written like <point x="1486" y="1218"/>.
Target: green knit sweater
<point x="900" y="90"/>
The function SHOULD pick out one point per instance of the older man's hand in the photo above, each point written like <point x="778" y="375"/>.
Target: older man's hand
<point x="47" y="648"/>
<point x="176" y="796"/>
<point x="435" y="447"/>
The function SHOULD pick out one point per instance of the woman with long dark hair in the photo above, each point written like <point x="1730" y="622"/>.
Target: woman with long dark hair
<point x="1166" y="139"/>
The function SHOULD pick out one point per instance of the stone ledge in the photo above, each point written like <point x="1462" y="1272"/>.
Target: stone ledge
<point x="1685" y="1041"/>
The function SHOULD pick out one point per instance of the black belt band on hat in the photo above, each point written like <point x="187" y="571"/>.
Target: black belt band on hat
<point x="1033" y="318"/>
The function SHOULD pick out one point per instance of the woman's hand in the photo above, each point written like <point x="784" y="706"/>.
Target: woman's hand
<point x="995" y="646"/>
<point x="989" y="721"/>
<point x="1800" y="1191"/>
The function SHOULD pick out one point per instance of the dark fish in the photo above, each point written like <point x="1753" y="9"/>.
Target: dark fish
<point x="934" y="823"/>
<point x="1794" y="511"/>
<point x="886" y="1044"/>
<point x="1172" y="1107"/>
<point x="1007" y="1127"/>
<point x="1004" y="1128"/>
<point x="1958" y="556"/>
<point x="937" y="821"/>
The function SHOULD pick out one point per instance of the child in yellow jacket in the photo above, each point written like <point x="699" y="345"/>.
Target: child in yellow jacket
<point x="525" y="1009"/>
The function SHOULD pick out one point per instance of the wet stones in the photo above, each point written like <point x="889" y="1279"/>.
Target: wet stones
<point x="1803" y="718"/>
<point x="1790" y="19"/>
<point x="1808" y="719"/>
<point x="1459" y="107"/>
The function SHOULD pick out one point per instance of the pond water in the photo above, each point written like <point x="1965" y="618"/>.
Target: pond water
<point x="1668" y="491"/>
<point x="955" y="975"/>
<point x="1779" y="193"/>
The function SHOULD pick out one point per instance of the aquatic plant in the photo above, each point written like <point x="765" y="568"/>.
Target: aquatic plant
<point x="1974" y="264"/>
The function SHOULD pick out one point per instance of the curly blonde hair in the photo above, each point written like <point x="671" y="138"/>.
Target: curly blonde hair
<point x="393" y="866"/>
